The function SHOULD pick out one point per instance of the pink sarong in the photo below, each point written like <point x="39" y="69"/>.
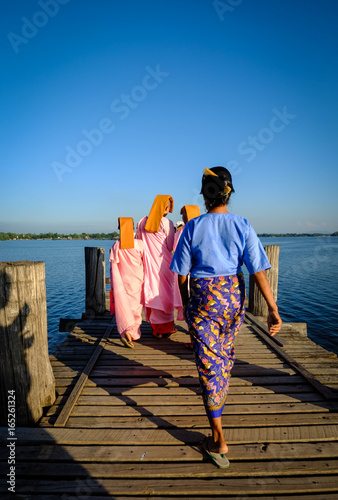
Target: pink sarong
<point x="158" y="278"/>
<point x="126" y="278"/>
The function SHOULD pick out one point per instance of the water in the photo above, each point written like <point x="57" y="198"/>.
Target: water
<point x="65" y="276"/>
<point x="307" y="290"/>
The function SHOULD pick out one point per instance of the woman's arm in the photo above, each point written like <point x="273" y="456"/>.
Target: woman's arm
<point x="183" y="286"/>
<point x="274" y="320"/>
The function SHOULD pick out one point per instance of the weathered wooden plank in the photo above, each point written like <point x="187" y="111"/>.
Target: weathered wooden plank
<point x="238" y="486"/>
<point x="74" y="365"/>
<point x="177" y="470"/>
<point x="77" y="343"/>
<point x="173" y="371"/>
<point x="65" y="436"/>
<point x="179" y="381"/>
<point x="194" y="399"/>
<point x="145" y="496"/>
<point x="195" y="410"/>
<point x="186" y="361"/>
<point x="311" y="357"/>
<point x="77" y="349"/>
<point x="171" y="453"/>
<point x="326" y="392"/>
<point x="237" y="371"/>
<point x="265" y="381"/>
<point x="184" y="390"/>
<point x="198" y="421"/>
<point x="71" y="401"/>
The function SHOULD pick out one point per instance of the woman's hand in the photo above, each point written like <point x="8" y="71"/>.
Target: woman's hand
<point x="274" y="321"/>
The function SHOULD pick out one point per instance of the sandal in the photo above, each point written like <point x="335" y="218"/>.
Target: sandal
<point x="167" y="335"/>
<point x="126" y="343"/>
<point x="219" y="459"/>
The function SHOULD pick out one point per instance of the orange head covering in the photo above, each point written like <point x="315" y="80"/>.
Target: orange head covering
<point x="190" y="211"/>
<point x="156" y="213"/>
<point x="126" y="225"/>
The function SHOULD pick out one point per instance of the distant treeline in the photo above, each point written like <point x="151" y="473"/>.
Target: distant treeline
<point x="57" y="236"/>
<point x="114" y="235"/>
<point x="294" y="235"/>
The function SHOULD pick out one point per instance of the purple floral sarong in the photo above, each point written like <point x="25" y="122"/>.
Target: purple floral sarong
<point x="215" y="314"/>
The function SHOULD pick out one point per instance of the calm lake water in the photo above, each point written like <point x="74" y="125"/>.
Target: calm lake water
<point x="307" y="290"/>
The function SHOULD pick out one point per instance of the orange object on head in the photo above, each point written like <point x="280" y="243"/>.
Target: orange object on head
<point x="190" y="212"/>
<point x="157" y="211"/>
<point x="126" y="225"/>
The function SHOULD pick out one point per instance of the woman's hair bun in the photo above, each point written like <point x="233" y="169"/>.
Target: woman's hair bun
<point x="216" y="186"/>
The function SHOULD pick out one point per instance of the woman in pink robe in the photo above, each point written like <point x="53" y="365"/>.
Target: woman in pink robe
<point x="188" y="212"/>
<point x="157" y="234"/>
<point x="126" y="278"/>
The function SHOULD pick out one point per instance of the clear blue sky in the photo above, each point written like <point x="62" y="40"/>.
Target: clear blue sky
<point x="106" y="103"/>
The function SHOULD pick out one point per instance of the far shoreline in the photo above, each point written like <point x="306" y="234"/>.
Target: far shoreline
<point x="115" y="236"/>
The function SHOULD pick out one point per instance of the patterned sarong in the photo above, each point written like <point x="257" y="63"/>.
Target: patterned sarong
<point x="215" y="313"/>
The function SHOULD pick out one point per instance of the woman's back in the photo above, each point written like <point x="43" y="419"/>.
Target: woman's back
<point x="217" y="244"/>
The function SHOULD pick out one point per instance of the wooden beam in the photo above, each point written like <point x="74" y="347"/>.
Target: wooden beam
<point x="27" y="381"/>
<point x="95" y="281"/>
<point x="257" y="303"/>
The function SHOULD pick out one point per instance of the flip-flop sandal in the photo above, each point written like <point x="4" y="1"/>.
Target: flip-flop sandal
<point x="167" y="335"/>
<point x="126" y="343"/>
<point x="219" y="459"/>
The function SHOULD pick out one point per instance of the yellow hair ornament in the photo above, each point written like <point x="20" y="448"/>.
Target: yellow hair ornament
<point x="227" y="189"/>
<point x="206" y="171"/>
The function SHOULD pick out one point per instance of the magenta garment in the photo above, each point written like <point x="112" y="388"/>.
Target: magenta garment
<point x="177" y="295"/>
<point x="158" y="279"/>
<point x="126" y="278"/>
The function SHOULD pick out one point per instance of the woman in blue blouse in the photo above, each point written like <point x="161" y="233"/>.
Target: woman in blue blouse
<point x="212" y="249"/>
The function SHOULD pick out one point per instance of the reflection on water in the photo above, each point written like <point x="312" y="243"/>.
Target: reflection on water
<point x="307" y="291"/>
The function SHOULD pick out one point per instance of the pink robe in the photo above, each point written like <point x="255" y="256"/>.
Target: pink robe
<point x="177" y="295"/>
<point x="126" y="278"/>
<point x="158" y="278"/>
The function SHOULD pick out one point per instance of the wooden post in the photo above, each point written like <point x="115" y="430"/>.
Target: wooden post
<point x="25" y="369"/>
<point x="257" y="304"/>
<point x="95" y="281"/>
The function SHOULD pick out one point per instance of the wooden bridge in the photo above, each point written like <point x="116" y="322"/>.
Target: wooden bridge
<point x="132" y="425"/>
<point x="128" y="423"/>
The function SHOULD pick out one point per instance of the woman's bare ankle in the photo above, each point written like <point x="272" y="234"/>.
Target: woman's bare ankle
<point x="218" y="446"/>
<point x="129" y="338"/>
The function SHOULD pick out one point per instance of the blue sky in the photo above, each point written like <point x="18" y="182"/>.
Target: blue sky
<point x="107" y="103"/>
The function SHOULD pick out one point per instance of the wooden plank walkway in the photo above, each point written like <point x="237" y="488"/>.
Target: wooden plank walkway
<point x="136" y="427"/>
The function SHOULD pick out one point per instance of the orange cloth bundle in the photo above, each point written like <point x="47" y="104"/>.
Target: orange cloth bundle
<point x="126" y="225"/>
<point x="191" y="211"/>
<point x="156" y="213"/>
